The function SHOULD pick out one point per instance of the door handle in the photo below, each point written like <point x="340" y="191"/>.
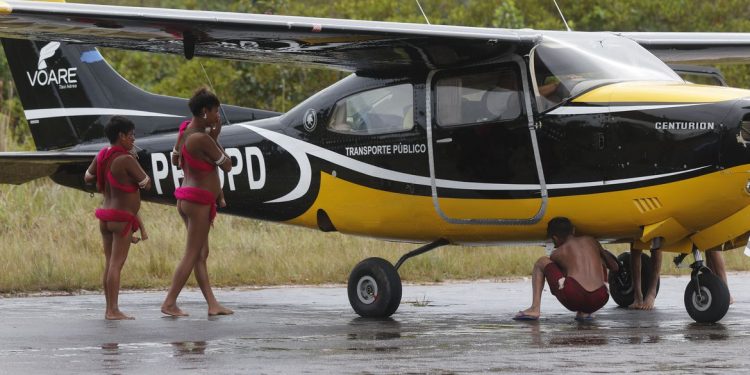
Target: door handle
<point x="444" y="140"/>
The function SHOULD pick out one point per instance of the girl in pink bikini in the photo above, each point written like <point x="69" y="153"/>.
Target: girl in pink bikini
<point x="199" y="154"/>
<point x="118" y="177"/>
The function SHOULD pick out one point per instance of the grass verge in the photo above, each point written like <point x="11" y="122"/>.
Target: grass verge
<point x="49" y="241"/>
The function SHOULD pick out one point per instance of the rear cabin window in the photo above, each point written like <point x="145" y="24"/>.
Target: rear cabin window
<point x="379" y="111"/>
<point x="701" y="79"/>
<point x="477" y="98"/>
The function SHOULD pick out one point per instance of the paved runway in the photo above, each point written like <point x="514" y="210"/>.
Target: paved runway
<point x="444" y="328"/>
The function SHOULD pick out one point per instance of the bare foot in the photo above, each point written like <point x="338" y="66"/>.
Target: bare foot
<point x="219" y="310"/>
<point x="636" y="305"/>
<point x="172" y="310"/>
<point x="117" y="315"/>
<point x="731" y="300"/>
<point x="528" y="314"/>
<point x="648" y="303"/>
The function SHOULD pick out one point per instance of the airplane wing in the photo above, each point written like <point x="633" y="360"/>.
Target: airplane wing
<point x="696" y="47"/>
<point x="20" y="167"/>
<point x="349" y="45"/>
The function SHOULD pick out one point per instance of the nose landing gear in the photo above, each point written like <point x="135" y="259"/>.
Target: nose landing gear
<point x="706" y="295"/>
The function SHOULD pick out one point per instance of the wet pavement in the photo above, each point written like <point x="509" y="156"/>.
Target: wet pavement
<point x="444" y="328"/>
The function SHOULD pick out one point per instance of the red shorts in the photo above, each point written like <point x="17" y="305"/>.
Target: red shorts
<point x="572" y="295"/>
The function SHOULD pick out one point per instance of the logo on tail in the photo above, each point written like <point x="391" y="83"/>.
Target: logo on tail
<point x="64" y="78"/>
<point x="47" y="52"/>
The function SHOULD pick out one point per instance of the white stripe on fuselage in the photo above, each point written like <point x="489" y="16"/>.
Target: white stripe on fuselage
<point x="592" y="110"/>
<point x="300" y="149"/>
<point x="36" y="114"/>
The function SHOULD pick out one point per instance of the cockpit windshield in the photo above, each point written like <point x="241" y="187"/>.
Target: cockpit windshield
<point x="567" y="65"/>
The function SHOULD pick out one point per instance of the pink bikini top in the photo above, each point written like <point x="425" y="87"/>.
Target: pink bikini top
<point x="103" y="164"/>
<point x="191" y="160"/>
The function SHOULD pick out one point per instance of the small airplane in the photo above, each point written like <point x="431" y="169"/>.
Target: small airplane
<point x="441" y="135"/>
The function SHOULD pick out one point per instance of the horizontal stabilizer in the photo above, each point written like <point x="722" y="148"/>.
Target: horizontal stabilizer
<point x="21" y="167"/>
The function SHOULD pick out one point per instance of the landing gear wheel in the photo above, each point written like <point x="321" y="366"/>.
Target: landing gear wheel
<point x="621" y="286"/>
<point x="712" y="303"/>
<point x="374" y="288"/>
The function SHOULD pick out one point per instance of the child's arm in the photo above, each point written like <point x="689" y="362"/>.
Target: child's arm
<point x="144" y="234"/>
<point x="176" y="152"/>
<point x="220" y="200"/>
<point x="214" y="134"/>
<point x="90" y="176"/>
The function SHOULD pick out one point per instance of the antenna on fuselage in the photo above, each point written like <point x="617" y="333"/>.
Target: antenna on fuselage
<point x="422" y="10"/>
<point x="223" y="114"/>
<point x="561" y="15"/>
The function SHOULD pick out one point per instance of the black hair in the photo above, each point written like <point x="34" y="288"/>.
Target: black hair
<point x="117" y="125"/>
<point x="560" y="227"/>
<point x="202" y="98"/>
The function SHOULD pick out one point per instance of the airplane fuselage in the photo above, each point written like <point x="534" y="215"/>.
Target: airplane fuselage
<point x="612" y="164"/>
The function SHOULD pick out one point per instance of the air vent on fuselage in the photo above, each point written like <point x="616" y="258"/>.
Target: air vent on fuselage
<point x="647" y="204"/>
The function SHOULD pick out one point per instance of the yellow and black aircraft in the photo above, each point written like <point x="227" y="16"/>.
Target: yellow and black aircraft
<point x="441" y="135"/>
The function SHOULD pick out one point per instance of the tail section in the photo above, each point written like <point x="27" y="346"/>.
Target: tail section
<point x="69" y="92"/>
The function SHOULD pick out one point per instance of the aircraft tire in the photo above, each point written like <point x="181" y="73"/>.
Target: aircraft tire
<point x="713" y="303"/>
<point x="374" y="288"/>
<point x="622" y="290"/>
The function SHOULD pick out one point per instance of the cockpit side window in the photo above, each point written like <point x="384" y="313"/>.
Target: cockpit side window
<point x="478" y="98"/>
<point x="550" y="87"/>
<point x="379" y="111"/>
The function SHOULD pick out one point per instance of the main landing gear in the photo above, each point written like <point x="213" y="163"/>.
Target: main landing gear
<point x="621" y="283"/>
<point x="374" y="286"/>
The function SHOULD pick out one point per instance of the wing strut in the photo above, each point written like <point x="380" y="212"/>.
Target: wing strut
<point x="188" y="44"/>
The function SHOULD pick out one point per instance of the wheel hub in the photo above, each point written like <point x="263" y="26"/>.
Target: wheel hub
<point x="367" y="290"/>
<point x="702" y="301"/>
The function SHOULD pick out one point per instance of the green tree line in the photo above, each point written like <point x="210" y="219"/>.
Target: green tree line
<point x="274" y="87"/>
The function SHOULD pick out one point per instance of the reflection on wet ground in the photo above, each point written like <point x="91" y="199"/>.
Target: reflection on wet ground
<point x="465" y="327"/>
<point x="111" y="360"/>
<point x="188" y="348"/>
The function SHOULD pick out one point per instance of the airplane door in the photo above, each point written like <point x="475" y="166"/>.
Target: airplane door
<point x="484" y="158"/>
